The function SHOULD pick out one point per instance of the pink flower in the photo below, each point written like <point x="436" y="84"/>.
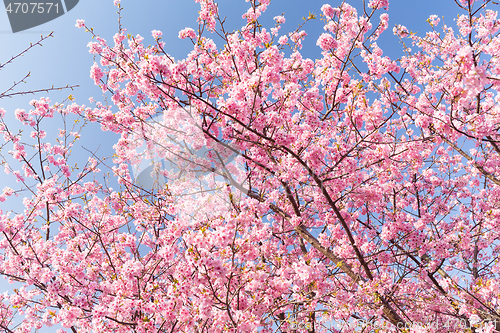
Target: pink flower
<point x="94" y="48"/>
<point x="251" y="15"/>
<point x="400" y="30"/>
<point x="156" y="34"/>
<point x="80" y="23"/>
<point x="21" y="115"/>
<point x="326" y="42"/>
<point x="433" y="20"/>
<point x="96" y="73"/>
<point x="328" y="11"/>
<point x="119" y="37"/>
<point x="295" y="221"/>
<point x="384" y="18"/>
<point x="187" y="33"/>
<point x="279" y="19"/>
<point x="378" y="4"/>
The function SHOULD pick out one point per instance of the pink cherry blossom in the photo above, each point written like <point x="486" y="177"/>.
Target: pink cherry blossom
<point x="187" y="33"/>
<point x="347" y="191"/>
<point x="156" y="34"/>
<point x="326" y="42"/>
<point x="80" y="23"/>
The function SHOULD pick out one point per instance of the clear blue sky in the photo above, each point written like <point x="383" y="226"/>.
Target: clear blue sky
<point x="64" y="59"/>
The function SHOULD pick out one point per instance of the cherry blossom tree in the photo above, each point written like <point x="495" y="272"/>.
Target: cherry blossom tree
<point x="353" y="193"/>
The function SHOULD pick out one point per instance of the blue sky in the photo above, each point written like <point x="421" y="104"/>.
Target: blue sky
<point x="64" y="59"/>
